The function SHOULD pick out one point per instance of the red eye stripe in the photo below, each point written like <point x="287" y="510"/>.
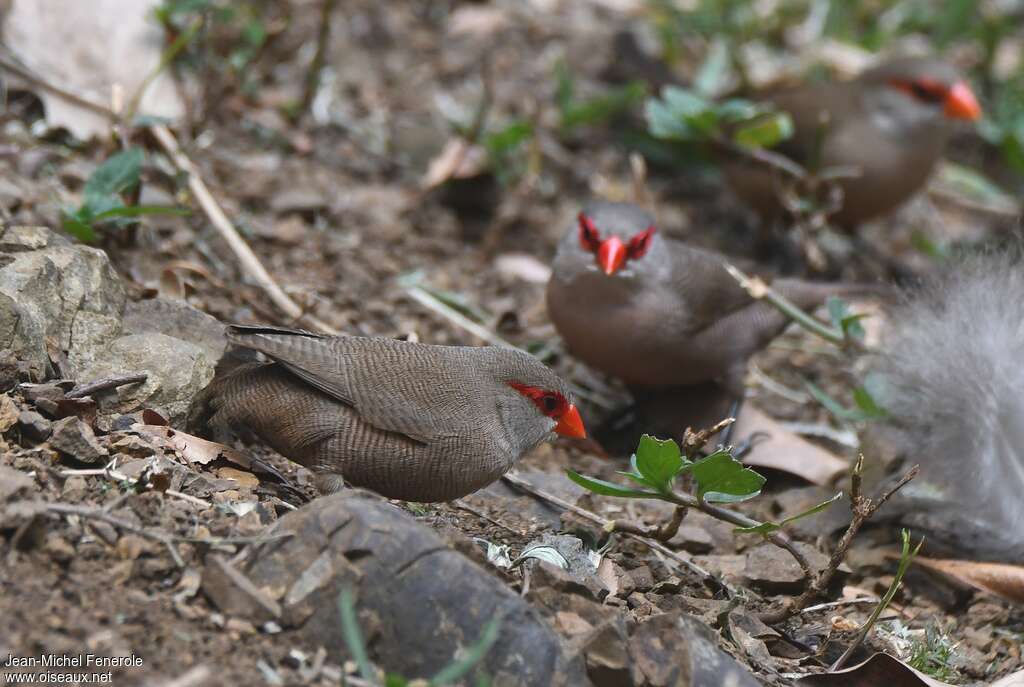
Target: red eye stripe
<point x="923" y="89"/>
<point x="590" y="237"/>
<point x="639" y="244"/>
<point x="550" y="403"/>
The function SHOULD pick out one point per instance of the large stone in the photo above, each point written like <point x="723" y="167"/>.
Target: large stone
<point x="177" y="370"/>
<point x="677" y="650"/>
<point x="51" y="288"/>
<point x="176" y="318"/>
<point x="419" y="601"/>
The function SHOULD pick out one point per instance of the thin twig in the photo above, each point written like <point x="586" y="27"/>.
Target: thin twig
<point x="863" y="509"/>
<point x="516" y="480"/>
<point x="97" y="514"/>
<point x="431" y="302"/>
<point x="250" y="263"/>
<point x="759" y="290"/>
<point x="841" y="602"/>
<point x="91" y="388"/>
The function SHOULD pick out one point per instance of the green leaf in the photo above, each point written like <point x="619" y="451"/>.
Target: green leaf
<point x="974" y="186"/>
<point x="738" y="110"/>
<point x="765" y="132"/>
<point x="97" y="205"/>
<point x="769" y="527"/>
<point x="714" y="70"/>
<point x="603" y="107"/>
<point x="79" y="229"/>
<point x="472" y="655"/>
<point x="138" y="210"/>
<point x="658" y="461"/>
<point x="723" y="479"/>
<point x="838" y="410"/>
<point x="353" y="635"/>
<point x="842" y="319"/>
<point x="661" y="123"/>
<point x="503" y="141"/>
<point x="638" y="478"/>
<point x="866" y="402"/>
<point x="117" y="174"/>
<point x="604" y="488"/>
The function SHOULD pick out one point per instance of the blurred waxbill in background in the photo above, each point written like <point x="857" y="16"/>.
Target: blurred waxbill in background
<point x="410" y="421"/>
<point x="656" y="312"/>
<point x="950" y="375"/>
<point x="892" y="123"/>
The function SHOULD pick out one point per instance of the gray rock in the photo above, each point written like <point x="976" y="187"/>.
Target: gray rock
<point x="677" y="650"/>
<point x="176" y="371"/>
<point x="34" y="426"/>
<point x="52" y="288"/>
<point x="73" y="437"/>
<point x="178" y="319"/>
<point x="419" y="602"/>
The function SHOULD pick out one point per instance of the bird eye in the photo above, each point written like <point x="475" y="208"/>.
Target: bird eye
<point x="549" y="403"/>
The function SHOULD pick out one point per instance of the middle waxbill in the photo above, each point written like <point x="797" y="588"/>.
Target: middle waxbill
<point x="656" y="312"/>
<point x="408" y="420"/>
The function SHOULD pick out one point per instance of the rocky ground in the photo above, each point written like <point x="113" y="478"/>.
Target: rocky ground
<point x="123" y="535"/>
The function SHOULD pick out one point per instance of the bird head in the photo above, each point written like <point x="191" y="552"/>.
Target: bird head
<point x="612" y="251"/>
<point x="553" y="404"/>
<point x="922" y="89"/>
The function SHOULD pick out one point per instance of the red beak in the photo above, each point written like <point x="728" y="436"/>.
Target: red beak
<point x="611" y="254"/>
<point x="571" y="424"/>
<point x="961" y="103"/>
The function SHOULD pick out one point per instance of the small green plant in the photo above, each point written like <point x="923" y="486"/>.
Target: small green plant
<point x="234" y="35"/>
<point x="504" y="148"/>
<point x="576" y="112"/>
<point x="458" y="669"/>
<point x="718" y="478"/>
<point x="934" y="653"/>
<point x="103" y="204"/>
<point x="685" y="115"/>
<point x="906" y="557"/>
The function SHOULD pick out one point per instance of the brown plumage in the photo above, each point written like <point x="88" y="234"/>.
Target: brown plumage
<point x="408" y="420"/>
<point x="656" y="312"/>
<point x="891" y="123"/>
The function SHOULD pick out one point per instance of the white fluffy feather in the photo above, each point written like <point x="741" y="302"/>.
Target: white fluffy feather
<point x="953" y="364"/>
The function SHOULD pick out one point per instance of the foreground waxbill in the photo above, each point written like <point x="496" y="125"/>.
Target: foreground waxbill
<point x="891" y="123"/>
<point x="655" y="312"/>
<point x="408" y="420"/>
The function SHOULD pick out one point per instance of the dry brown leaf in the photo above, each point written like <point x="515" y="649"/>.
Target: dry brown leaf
<point x="244" y="479"/>
<point x="457" y="160"/>
<point x="783" y="450"/>
<point x="88" y="48"/>
<point x="1002" y="579"/>
<point x="1015" y="680"/>
<point x="880" y="669"/>
<point x="193" y="449"/>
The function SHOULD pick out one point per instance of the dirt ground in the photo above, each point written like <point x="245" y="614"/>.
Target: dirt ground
<point x="339" y="215"/>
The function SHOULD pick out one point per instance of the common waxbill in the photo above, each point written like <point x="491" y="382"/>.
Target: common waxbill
<point x="949" y="373"/>
<point x="408" y="420"/>
<point x="891" y="123"/>
<point x="656" y="312"/>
